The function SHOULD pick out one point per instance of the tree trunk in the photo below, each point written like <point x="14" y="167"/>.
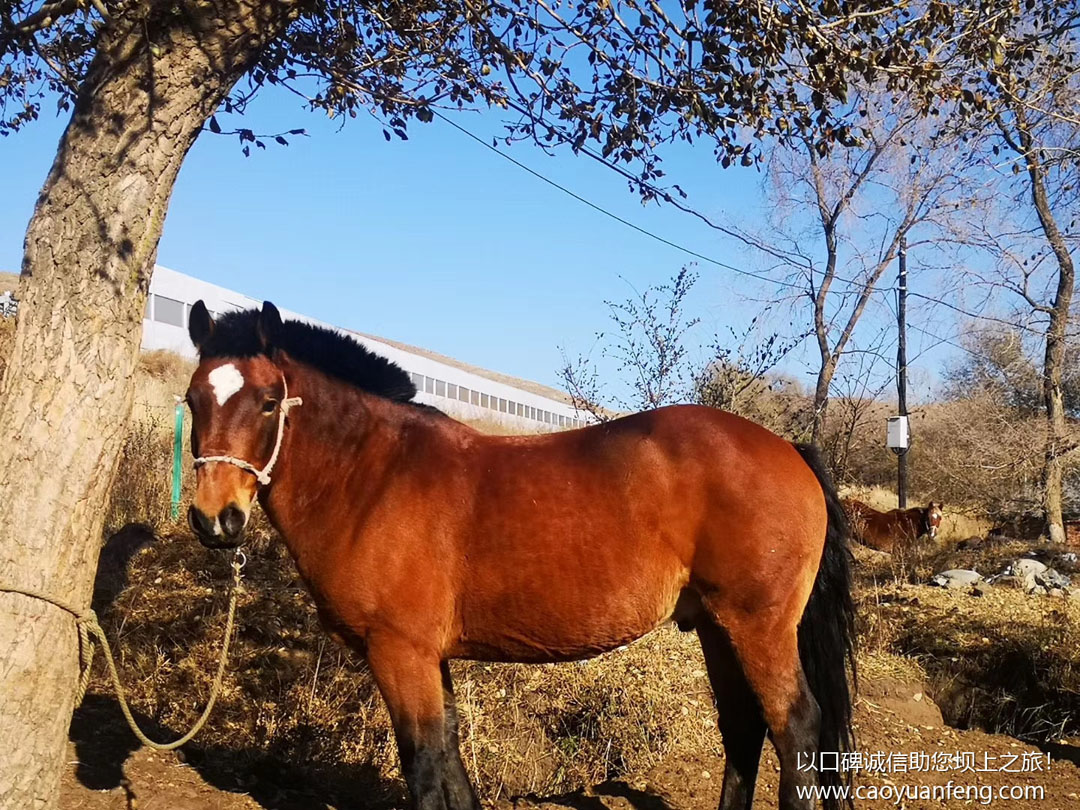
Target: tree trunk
<point x="1054" y="356"/>
<point x="821" y="397"/>
<point x="1056" y="430"/>
<point x="67" y="389"/>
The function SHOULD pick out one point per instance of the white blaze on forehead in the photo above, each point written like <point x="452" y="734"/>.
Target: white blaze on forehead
<point x="226" y="380"/>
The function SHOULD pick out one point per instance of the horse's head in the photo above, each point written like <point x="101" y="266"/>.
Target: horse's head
<point x="933" y="518"/>
<point x="238" y="403"/>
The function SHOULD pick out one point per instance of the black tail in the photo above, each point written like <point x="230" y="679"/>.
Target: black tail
<point x="827" y="632"/>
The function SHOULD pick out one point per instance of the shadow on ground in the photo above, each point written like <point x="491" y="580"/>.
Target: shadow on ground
<point x="103" y="743"/>
<point x="593" y="799"/>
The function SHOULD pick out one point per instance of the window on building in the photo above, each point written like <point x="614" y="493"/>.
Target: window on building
<point x="440" y="388"/>
<point x="429" y="385"/>
<point x="483" y="400"/>
<point x="474" y="397"/>
<point x="520" y="409"/>
<point x="168" y="310"/>
<point x="451" y="390"/>
<point x="417" y="380"/>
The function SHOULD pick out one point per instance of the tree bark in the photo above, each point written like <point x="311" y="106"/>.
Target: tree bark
<point x="67" y="390"/>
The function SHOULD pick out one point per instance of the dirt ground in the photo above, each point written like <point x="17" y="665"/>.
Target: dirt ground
<point x="108" y="771"/>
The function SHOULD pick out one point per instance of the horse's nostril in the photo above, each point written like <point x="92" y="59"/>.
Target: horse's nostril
<point x="199" y="523"/>
<point x="232" y="520"/>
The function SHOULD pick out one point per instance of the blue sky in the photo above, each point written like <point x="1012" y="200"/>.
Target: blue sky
<point x="435" y="241"/>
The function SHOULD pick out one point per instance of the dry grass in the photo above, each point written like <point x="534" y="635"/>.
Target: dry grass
<point x="1004" y="661"/>
<point x="142" y="491"/>
<point x="497" y="428"/>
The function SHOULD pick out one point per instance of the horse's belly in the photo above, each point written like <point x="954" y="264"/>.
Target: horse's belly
<point x="529" y="645"/>
<point x="562" y="625"/>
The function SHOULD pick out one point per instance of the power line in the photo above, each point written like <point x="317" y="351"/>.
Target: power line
<point x="612" y="215"/>
<point x="663" y="240"/>
<point x="877" y="289"/>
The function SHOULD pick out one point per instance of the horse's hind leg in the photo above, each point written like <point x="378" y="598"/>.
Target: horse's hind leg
<point x="459" y="790"/>
<point x="766" y="646"/>
<point x="738" y="715"/>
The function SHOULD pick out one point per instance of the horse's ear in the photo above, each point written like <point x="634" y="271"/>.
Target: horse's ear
<point x="200" y="324"/>
<point x="269" y="326"/>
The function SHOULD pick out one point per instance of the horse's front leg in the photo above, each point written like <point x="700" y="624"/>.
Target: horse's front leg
<point x="411" y="681"/>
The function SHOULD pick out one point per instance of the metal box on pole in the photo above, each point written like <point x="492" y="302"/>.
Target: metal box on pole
<point x="896" y="434"/>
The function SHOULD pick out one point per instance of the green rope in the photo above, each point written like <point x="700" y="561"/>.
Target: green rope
<point x="86" y="621"/>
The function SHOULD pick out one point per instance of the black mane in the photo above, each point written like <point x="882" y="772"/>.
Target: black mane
<point x="236" y="334"/>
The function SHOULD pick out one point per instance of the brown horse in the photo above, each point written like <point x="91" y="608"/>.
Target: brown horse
<point x="423" y="540"/>
<point x="884" y="530"/>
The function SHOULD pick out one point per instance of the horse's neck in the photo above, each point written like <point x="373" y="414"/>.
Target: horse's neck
<point x="338" y="431"/>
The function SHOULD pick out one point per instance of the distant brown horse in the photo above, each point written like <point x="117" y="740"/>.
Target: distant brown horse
<point x="423" y="540"/>
<point x="884" y="530"/>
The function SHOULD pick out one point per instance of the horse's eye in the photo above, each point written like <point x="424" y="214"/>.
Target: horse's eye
<point x="269" y="406"/>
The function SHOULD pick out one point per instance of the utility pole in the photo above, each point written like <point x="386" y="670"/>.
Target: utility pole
<point x="901" y="372"/>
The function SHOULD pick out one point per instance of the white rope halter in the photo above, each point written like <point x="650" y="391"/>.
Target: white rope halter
<point x="263" y="475"/>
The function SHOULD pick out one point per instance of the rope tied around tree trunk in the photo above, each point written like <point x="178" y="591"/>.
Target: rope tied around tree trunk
<point x="86" y="621"/>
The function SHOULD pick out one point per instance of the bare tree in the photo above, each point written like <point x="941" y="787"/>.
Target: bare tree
<point x="1027" y="103"/>
<point x="856" y="413"/>
<point x="737" y="379"/>
<point x="839" y="219"/>
<point x="647" y="345"/>
<point x="653" y="364"/>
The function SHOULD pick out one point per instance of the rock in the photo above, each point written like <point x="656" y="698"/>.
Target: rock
<point x="1051" y="579"/>
<point x="1025" y="571"/>
<point x="956" y="578"/>
<point x="1056" y="592"/>
<point x="1025" y="568"/>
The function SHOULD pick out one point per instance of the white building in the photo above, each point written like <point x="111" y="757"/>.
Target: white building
<point x="460" y="390"/>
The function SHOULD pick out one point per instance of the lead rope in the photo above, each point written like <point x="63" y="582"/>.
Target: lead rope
<point x="86" y="621"/>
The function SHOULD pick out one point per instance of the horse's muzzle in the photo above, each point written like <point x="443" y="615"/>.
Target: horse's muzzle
<point x="224" y="531"/>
